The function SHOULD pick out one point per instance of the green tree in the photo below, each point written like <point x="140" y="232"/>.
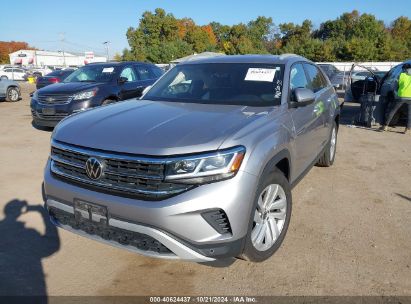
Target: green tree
<point x="160" y="37"/>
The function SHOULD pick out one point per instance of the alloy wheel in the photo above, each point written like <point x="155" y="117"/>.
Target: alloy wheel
<point x="269" y="217"/>
<point x="13" y="95"/>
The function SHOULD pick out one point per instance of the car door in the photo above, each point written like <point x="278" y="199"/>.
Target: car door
<point x="130" y="87"/>
<point x="324" y="98"/>
<point x="8" y="73"/>
<point x="18" y="74"/>
<point x="3" y="88"/>
<point x="305" y="122"/>
<point x="389" y="82"/>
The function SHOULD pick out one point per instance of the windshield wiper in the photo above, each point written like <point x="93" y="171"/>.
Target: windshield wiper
<point x="87" y="80"/>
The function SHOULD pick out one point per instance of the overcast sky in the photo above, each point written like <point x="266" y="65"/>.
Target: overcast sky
<point x="85" y="25"/>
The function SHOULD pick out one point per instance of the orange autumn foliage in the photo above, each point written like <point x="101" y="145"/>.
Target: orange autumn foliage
<point x="7" y="47"/>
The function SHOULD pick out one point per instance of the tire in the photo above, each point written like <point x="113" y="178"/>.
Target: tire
<point x="108" y="101"/>
<point x="327" y="159"/>
<point x="252" y="251"/>
<point x="12" y="94"/>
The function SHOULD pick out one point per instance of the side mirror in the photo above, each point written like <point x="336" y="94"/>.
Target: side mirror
<point x="302" y="97"/>
<point x="122" y="80"/>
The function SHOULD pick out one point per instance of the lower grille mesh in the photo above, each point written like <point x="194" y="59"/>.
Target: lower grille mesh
<point x="121" y="236"/>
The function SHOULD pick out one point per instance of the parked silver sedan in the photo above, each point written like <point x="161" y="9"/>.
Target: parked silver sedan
<point x="9" y="90"/>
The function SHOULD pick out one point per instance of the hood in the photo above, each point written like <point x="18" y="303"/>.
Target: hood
<point x="155" y="128"/>
<point x="69" y="87"/>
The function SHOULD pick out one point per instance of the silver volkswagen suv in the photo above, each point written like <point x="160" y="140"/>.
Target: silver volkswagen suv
<point x="202" y="166"/>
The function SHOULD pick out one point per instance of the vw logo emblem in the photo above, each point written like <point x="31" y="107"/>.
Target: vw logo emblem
<point x="94" y="168"/>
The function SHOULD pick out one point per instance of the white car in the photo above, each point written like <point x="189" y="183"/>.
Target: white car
<point x="13" y="74"/>
<point x="38" y="72"/>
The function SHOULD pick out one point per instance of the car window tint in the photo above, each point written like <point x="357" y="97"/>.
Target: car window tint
<point x="250" y="84"/>
<point x="157" y="71"/>
<point x="297" y="77"/>
<point x="144" y="72"/>
<point x="316" y="79"/>
<point x="128" y="73"/>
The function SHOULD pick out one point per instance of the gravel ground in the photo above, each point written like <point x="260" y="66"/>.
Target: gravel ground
<point x="350" y="231"/>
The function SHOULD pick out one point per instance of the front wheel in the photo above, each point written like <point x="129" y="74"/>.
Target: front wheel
<point x="327" y="159"/>
<point x="12" y="94"/>
<point x="270" y="217"/>
<point x="108" y="101"/>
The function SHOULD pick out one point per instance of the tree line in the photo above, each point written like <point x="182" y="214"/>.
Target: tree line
<point x="160" y="37"/>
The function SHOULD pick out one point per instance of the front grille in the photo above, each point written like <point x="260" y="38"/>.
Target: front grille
<point x="54" y="98"/>
<point x="121" y="236"/>
<point x="122" y="174"/>
<point x="55" y="116"/>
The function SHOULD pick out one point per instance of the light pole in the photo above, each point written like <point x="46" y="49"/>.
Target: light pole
<point x="107" y="45"/>
<point x="62" y="38"/>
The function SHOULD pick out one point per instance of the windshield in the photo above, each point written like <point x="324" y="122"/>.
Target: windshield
<point x="92" y="73"/>
<point x="245" y="84"/>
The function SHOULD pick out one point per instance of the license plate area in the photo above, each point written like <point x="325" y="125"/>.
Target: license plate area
<point x="85" y="211"/>
<point x="48" y="111"/>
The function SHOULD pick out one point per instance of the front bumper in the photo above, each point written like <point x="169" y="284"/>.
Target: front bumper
<point x="177" y="222"/>
<point x="176" y="249"/>
<point x="58" y="111"/>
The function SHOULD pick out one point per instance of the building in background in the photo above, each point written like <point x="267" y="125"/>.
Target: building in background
<point x="49" y="58"/>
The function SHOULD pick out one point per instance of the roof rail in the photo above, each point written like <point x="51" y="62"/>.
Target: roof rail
<point x="288" y="55"/>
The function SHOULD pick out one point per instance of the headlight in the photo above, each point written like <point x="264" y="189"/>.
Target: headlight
<point x="85" y="95"/>
<point x="206" y="168"/>
<point x="35" y="95"/>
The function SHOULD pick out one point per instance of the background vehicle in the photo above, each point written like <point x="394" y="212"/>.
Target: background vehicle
<point x="40" y="71"/>
<point x="13" y="74"/>
<point x="388" y="89"/>
<point x="202" y="166"/>
<point x="9" y="90"/>
<point x="91" y="86"/>
<point x="53" y="77"/>
<point x="338" y="78"/>
<point x="362" y="75"/>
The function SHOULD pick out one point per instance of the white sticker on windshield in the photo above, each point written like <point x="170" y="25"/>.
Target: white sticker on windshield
<point x="259" y="74"/>
<point x="108" y="70"/>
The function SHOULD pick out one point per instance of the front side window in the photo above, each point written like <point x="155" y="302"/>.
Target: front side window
<point x="317" y="81"/>
<point x="93" y="73"/>
<point x="128" y="73"/>
<point x="221" y="83"/>
<point x="297" y="77"/>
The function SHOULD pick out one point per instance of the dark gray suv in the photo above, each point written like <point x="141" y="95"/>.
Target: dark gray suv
<point x="202" y="167"/>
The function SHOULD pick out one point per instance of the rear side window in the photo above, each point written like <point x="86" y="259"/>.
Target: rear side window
<point x="145" y="72"/>
<point x="298" y="78"/>
<point x="317" y="81"/>
<point x="157" y="71"/>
